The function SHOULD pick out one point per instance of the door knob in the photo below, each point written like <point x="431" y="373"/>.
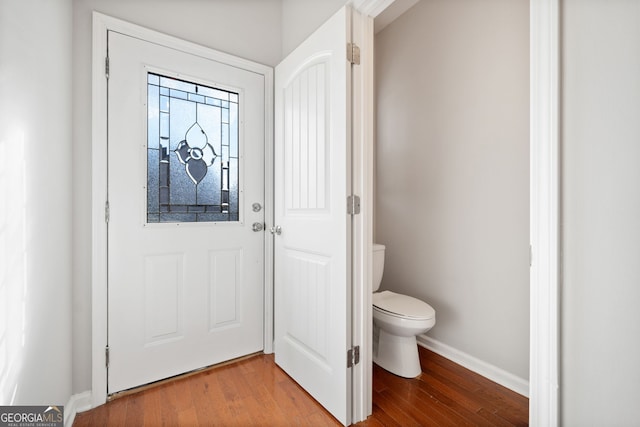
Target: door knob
<point x="257" y="226"/>
<point x="276" y="230"/>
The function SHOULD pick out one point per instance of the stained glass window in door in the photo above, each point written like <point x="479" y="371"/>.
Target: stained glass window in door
<point x="192" y="152"/>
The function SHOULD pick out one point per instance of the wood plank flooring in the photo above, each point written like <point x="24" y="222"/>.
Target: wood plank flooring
<point x="255" y="392"/>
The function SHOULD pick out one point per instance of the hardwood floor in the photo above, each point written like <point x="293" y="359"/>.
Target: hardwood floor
<point x="445" y="394"/>
<point x="255" y="392"/>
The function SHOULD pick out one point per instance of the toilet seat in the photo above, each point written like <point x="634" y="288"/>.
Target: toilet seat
<point x="404" y="306"/>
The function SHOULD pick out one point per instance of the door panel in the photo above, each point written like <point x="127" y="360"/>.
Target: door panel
<point x="182" y="295"/>
<point x="225" y="305"/>
<point x="163" y="288"/>
<point x="312" y="180"/>
<point x="306" y="146"/>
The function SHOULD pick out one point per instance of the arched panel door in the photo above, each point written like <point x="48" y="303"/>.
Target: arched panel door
<point x="312" y="245"/>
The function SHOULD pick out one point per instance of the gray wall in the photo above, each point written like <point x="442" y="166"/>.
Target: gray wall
<point x="248" y="28"/>
<point x="35" y="202"/>
<point x="452" y="171"/>
<point x="300" y="18"/>
<point x="601" y="219"/>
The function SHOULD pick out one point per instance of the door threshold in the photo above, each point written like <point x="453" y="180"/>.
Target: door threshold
<point x="158" y="383"/>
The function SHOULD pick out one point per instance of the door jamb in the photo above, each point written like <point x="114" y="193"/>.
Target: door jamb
<point x="99" y="311"/>
<point x="362" y="128"/>
<point x="544" y="208"/>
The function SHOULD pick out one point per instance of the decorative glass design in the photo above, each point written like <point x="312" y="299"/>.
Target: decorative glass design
<point x="192" y="152"/>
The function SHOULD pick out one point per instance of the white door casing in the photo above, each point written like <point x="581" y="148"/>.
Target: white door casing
<point x="312" y="181"/>
<point x="181" y="295"/>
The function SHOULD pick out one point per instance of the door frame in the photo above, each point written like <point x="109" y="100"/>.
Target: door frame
<point x="544" y="199"/>
<point x="544" y="212"/>
<point x="99" y="184"/>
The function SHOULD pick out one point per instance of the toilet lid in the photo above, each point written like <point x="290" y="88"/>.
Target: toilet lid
<point x="403" y="305"/>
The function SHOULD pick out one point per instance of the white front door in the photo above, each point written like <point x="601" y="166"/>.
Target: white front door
<point x="312" y="180"/>
<point x="185" y="183"/>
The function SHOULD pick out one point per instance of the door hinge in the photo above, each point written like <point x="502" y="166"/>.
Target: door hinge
<point x="107" y="213"/>
<point x="106" y="356"/>
<point x="353" y="356"/>
<point x="353" y="205"/>
<point x="106" y="67"/>
<point x="353" y="53"/>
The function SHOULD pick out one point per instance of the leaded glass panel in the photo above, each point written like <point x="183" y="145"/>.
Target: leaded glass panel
<point x="192" y="152"/>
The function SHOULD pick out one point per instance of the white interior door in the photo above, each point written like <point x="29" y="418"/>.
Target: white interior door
<point x="185" y="182"/>
<point x="312" y="181"/>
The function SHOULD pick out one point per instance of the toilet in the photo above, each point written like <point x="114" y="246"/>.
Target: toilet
<point x="397" y="320"/>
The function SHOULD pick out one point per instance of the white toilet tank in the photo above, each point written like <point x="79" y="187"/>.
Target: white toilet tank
<point x="378" y="265"/>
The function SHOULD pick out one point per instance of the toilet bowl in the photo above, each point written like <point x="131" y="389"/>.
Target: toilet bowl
<point x="397" y="320"/>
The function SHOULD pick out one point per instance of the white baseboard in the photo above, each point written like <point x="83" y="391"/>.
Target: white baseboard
<point x="77" y="403"/>
<point x="478" y="366"/>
